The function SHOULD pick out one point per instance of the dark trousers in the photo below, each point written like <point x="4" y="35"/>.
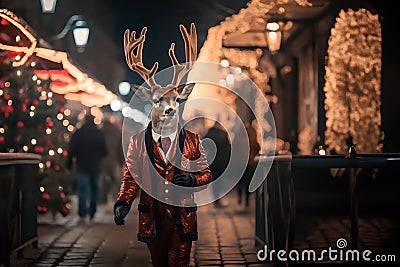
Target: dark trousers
<point x="168" y="250"/>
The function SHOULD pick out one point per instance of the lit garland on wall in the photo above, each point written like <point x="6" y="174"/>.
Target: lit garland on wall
<point x="353" y="82"/>
<point x="84" y="89"/>
<point x="212" y="51"/>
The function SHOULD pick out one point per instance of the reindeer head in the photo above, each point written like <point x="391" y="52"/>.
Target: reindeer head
<point x="165" y="99"/>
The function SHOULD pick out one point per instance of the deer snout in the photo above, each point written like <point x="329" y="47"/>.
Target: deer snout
<point x="170" y="112"/>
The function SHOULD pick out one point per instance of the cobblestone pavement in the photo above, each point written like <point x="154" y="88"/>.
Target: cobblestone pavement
<point x="226" y="238"/>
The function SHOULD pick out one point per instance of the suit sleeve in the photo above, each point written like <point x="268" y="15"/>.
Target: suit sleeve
<point x="129" y="187"/>
<point x="203" y="177"/>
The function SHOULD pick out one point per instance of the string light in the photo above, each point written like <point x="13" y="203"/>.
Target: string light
<point x="65" y="123"/>
<point x="41" y="165"/>
<point x="67" y="112"/>
<point x="70" y="128"/>
<point x="31" y="114"/>
<point x="48" y="131"/>
<point x="2" y="130"/>
<point x="51" y="152"/>
<point x="59" y="150"/>
<point x="19" y="73"/>
<point x="25" y="148"/>
<point x="60" y="116"/>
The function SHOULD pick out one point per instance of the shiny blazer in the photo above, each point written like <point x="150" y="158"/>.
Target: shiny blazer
<point x="142" y="156"/>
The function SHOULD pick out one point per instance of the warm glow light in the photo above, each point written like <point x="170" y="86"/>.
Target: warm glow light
<point x="34" y="78"/>
<point x="225" y="63"/>
<point x="50" y="94"/>
<point x="272" y="26"/>
<point x="322" y="152"/>
<point x="67" y="112"/>
<point x="2" y="130"/>
<point x="48" y="131"/>
<point x="60" y="116"/>
<point x="33" y="64"/>
<point x="222" y="82"/>
<point x="51" y="152"/>
<point x="17" y="38"/>
<point x="65" y="123"/>
<point x="272" y="35"/>
<point x="70" y="128"/>
<point x="48" y="6"/>
<point x="41" y="165"/>
<point x="41" y="188"/>
<point x="81" y="35"/>
<point x="19" y="73"/>
<point x="59" y="150"/>
<point x="115" y="105"/>
<point x="49" y="102"/>
<point x="32" y="108"/>
<point x="25" y="148"/>
<point x="124" y="88"/>
<point x="230" y="79"/>
<point x="33" y="141"/>
<point x="238" y="70"/>
<point x="18" y="57"/>
<point x="31" y="114"/>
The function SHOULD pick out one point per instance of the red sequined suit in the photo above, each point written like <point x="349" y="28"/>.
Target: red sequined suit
<point x="168" y="230"/>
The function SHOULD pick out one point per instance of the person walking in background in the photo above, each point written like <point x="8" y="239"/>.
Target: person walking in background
<point x="243" y="185"/>
<point x="219" y="135"/>
<point x="87" y="148"/>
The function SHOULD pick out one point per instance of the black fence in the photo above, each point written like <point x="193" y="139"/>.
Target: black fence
<point x="18" y="195"/>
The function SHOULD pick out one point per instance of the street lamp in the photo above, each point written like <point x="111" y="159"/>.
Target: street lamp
<point x="48" y="6"/>
<point x="80" y="31"/>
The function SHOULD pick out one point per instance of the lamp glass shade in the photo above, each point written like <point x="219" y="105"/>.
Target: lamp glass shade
<point x="48" y="6"/>
<point x="81" y="36"/>
<point x="274" y="41"/>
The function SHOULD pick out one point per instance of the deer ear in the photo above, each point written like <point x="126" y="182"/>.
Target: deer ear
<point x="141" y="92"/>
<point x="185" y="90"/>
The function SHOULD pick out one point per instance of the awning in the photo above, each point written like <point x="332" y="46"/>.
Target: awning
<point x="22" y="47"/>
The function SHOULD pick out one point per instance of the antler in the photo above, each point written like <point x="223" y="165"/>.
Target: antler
<point x="135" y="62"/>
<point x="190" y="52"/>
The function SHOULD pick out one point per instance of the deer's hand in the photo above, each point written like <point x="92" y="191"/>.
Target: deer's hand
<point x="184" y="179"/>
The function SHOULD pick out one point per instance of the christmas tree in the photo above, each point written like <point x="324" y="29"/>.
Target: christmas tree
<point x="33" y="120"/>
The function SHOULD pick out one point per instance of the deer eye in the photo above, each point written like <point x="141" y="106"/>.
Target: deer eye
<point x="178" y="100"/>
<point x="156" y="101"/>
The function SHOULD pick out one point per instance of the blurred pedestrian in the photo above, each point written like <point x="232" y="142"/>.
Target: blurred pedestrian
<point x="244" y="182"/>
<point x="219" y="136"/>
<point x="87" y="148"/>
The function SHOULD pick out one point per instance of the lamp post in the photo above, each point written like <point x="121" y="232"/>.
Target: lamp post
<point x="273" y="37"/>
<point x="80" y="31"/>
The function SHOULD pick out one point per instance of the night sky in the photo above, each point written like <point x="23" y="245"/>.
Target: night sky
<point x="163" y="18"/>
